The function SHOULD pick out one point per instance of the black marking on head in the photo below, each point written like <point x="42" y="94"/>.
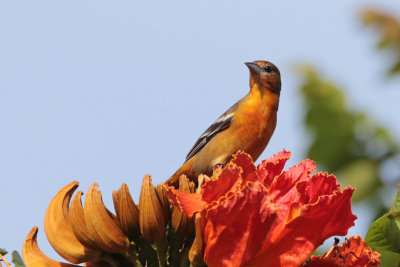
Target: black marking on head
<point x="269" y="69"/>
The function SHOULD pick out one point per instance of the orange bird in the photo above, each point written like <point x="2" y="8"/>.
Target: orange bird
<point x="248" y="126"/>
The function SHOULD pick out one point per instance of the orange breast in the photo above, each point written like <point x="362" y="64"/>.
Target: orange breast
<point x="251" y="129"/>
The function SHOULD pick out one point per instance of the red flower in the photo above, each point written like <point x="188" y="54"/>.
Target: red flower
<point x="352" y="252"/>
<point x="265" y="216"/>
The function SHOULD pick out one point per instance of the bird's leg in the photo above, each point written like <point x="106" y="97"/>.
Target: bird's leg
<point x="220" y="165"/>
<point x="218" y="169"/>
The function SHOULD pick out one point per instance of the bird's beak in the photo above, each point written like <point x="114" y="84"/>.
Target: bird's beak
<point x="253" y="67"/>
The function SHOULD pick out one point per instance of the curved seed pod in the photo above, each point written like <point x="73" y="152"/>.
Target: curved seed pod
<point x="96" y="264"/>
<point x="196" y="250"/>
<point x="101" y="226"/>
<point x="34" y="257"/>
<point x="192" y="187"/>
<point x="152" y="219"/>
<point x="113" y="217"/>
<point x="201" y="180"/>
<point x="78" y="222"/>
<point x="181" y="222"/>
<point x="164" y="201"/>
<point x="127" y="212"/>
<point x="59" y="231"/>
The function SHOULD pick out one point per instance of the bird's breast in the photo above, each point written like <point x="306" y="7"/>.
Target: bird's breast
<point x="250" y="131"/>
<point x="257" y="121"/>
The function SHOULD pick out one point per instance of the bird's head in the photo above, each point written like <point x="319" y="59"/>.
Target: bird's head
<point x="264" y="74"/>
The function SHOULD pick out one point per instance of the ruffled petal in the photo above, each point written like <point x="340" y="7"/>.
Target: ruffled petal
<point x="320" y="184"/>
<point x="286" y="181"/>
<point x="188" y="203"/>
<point x="235" y="230"/>
<point x="307" y="227"/>
<point x="352" y="252"/>
<point x="246" y="163"/>
<point x="229" y="180"/>
<point x="270" y="168"/>
<point x="331" y="214"/>
<point x="265" y="216"/>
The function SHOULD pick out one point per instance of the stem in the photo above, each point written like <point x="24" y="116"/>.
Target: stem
<point x="112" y="262"/>
<point x="393" y="214"/>
<point x="147" y="254"/>
<point x="1" y="256"/>
<point x="161" y="255"/>
<point x="185" y="258"/>
<point x="131" y="256"/>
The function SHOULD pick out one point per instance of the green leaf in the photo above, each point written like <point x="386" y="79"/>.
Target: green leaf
<point x="396" y="206"/>
<point x="3" y="251"/>
<point x="17" y="259"/>
<point x="395" y="69"/>
<point x="388" y="27"/>
<point x="384" y="233"/>
<point x="389" y="259"/>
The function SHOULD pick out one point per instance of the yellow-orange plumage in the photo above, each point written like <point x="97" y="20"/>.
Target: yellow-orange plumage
<point x="248" y="125"/>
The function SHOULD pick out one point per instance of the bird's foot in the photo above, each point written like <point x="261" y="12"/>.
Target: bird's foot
<point x="218" y="169"/>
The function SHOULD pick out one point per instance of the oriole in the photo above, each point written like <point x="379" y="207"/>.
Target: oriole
<point x="248" y="125"/>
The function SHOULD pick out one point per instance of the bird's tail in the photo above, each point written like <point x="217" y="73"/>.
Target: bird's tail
<point x="185" y="169"/>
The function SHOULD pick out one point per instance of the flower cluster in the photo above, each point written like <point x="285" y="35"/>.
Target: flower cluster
<point x="92" y="234"/>
<point x="244" y="215"/>
<point x="353" y="252"/>
<point x="263" y="216"/>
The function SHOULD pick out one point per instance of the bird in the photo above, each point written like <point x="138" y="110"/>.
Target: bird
<point x="246" y="126"/>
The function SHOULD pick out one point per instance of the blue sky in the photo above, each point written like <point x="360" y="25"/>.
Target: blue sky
<point x="107" y="91"/>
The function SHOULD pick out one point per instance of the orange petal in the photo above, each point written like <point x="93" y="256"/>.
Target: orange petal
<point x="287" y="180"/>
<point x="59" y="231"/>
<point x="164" y="201"/>
<point x="352" y="252"/>
<point x="188" y="203"/>
<point x="101" y="226"/>
<point x="246" y="163"/>
<point x="321" y="262"/>
<point x="319" y="184"/>
<point x="196" y="250"/>
<point x="97" y="264"/>
<point x="236" y="228"/>
<point x="127" y="212"/>
<point x="228" y="180"/>
<point x="34" y="257"/>
<point x="270" y="168"/>
<point x="151" y="212"/>
<point x="182" y="223"/>
<point x="78" y="222"/>
<point x="291" y="242"/>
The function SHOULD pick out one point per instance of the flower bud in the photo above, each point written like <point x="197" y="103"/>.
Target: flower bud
<point x="164" y="201"/>
<point x="59" y="231"/>
<point x="78" y="222"/>
<point x="127" y="212"/>
<point x="101" y="224"/>
<point x="152" y="217"/>
<point x="182" y="223"/>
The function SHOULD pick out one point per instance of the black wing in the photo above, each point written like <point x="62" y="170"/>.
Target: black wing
<point x="221" y="124"/>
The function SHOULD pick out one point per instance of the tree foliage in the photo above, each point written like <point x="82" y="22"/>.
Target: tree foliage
<point x="346" y="142"/>
<point x="388" y="28"/>
<point x="349" y="143"/>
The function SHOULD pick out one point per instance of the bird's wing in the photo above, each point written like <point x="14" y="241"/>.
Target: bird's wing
<point x="221" y="124"/>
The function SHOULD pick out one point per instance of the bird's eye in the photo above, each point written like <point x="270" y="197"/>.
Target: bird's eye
<point x="269" y="69"/>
